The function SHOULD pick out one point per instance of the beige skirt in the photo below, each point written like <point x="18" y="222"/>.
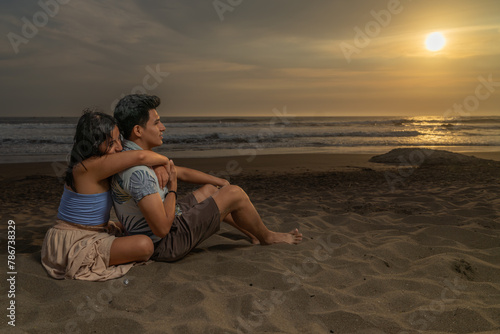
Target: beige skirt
<point x="69" y="252"/>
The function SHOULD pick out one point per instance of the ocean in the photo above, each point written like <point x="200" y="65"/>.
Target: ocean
<point x="50" y="139"/>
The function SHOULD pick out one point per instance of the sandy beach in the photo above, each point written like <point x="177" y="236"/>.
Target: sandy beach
<point x="407" y="247"/>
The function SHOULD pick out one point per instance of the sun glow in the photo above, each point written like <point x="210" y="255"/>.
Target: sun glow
<point x="435" y="41"/>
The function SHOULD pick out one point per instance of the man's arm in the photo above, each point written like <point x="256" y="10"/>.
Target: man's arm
<point x="195" y="176"/>
<point x="158" y="215"/>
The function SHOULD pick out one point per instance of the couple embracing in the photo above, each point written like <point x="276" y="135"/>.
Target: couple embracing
<point x="112" y="163"/>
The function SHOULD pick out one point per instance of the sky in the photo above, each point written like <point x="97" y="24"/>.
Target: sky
<point x="247" y="57"/>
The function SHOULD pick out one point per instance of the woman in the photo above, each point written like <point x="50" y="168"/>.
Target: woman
<point x="79" y="245"/>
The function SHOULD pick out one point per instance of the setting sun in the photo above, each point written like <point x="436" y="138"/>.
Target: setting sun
<point x="435" y="41"/>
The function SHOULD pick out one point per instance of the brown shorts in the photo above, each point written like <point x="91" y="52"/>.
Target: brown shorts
<point x="197" y="222"/>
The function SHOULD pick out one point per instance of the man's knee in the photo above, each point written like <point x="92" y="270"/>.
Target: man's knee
<point x="209" y="189"/>
<point x="230" y="198"/>
<point x="235" y="192"/>
<point x="204" y="192"/>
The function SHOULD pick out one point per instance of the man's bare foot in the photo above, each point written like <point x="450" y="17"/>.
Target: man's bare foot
<point x="292" y="237"/>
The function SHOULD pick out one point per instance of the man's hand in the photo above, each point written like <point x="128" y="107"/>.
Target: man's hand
<point x="162" y="174"/>
<point x="222" y="182"/>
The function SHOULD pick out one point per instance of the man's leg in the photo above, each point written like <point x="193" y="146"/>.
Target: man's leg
<point x="204" y="192"/>
<point x="233" y="200"/>
<point x="198" y="222"/>
<point x="209" y="190"/>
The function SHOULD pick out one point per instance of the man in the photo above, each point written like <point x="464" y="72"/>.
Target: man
<point x="177" y="226"/>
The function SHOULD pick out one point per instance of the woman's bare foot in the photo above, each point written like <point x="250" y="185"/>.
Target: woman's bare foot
<point x="292" y="237"/>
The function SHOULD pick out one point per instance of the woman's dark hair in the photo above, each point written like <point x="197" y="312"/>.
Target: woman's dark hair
<point x="93" y="128"/>
<point x="133" y="110"/>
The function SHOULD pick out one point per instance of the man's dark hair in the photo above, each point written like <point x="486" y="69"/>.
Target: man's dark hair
<point x="133" y="110"/>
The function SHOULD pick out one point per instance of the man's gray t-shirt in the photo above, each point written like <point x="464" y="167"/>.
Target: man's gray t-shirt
<point x="128" y="188"/>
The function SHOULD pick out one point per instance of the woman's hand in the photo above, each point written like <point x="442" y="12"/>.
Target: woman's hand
<point x="172" y="172"/>
<point x="162" y="174"/>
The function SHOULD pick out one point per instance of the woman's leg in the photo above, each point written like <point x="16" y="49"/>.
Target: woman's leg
<point x="134" y="248"/>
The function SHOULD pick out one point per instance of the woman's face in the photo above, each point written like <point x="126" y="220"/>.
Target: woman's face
<point x="114" y="145"/>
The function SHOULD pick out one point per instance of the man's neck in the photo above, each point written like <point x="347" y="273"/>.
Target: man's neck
<point x="140" y="143"/>
<point x="132" y="145"/>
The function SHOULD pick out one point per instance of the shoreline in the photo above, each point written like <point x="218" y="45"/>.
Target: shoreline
<point x="257" y="151"/>
<point x="230" y="165"/>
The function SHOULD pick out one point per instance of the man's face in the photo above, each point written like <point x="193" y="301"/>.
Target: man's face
<point x="153" y="132"/>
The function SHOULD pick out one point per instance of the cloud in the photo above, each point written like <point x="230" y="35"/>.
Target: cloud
<point x="90" y="52"/>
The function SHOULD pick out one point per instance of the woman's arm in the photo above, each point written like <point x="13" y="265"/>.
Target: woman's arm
<point x="100" y="168"/>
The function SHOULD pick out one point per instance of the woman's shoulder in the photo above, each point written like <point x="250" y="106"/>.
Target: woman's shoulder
<point x="82" y="167"/>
